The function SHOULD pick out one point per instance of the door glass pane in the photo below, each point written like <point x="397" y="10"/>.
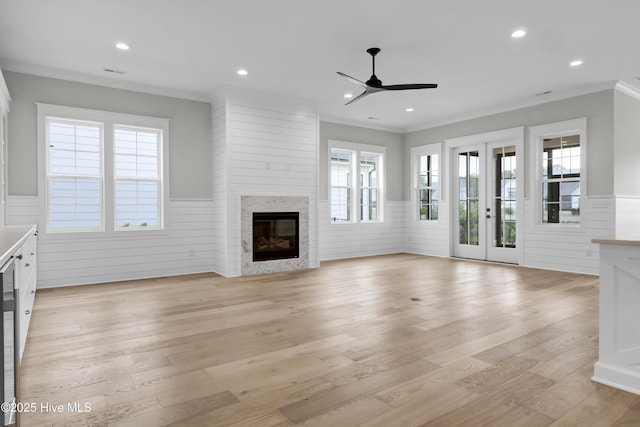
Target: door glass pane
<point x="505" y="188"/>
<point x="474" y="222"/>
<point x="468" y="193"/>
<point x="464" y="226"/>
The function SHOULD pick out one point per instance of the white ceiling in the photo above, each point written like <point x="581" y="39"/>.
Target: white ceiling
<point x="293" y="48"/>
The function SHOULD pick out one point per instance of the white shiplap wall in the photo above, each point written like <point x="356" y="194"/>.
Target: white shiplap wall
<point x="627" y="216"/>
<point x="186" y="246"/>
<point x="219" y="175"/>
<point x="269" y="147"/>
<point x="555" y="248"/>
<point x="356" y="240"/>
<point x="566" y="248"/>
<point x="427" y="237"/>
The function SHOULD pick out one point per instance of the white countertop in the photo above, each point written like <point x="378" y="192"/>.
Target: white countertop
<point x="624" y="240"/>
<point x="11" y="238"/>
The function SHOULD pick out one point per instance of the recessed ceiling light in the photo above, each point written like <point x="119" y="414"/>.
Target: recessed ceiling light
<point x="408" y="110"/>
<point x="576" y="63"/>
<point x="242" y="72"/>
<point x="348" y="95"/>
<point x="122" y="46"/>
<point x="518" y="33"/>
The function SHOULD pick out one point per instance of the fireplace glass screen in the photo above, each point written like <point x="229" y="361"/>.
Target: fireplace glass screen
<point x="275" y="235"/>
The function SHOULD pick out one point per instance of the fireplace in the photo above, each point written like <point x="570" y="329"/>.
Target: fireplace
<point x="275" y="235"/>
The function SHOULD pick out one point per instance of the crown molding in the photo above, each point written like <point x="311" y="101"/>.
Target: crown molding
<point x="109" y="82"/>
<point x="628" y="89"/>
<point x="517" y="106"/>
<point x="5" y="97"/>
<point x="361" y="124"/>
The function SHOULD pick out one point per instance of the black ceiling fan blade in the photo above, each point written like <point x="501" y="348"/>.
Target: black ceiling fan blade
<point x="353" y="80"/>
<point x="410" y="86"/>
<point x="362" y="95"/>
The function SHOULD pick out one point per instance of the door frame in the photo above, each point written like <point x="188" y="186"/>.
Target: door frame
<point x="511" y="136"/>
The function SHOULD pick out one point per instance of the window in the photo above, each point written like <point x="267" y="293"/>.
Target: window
<point x="356" y="176"/>
<point x="103" y="171"/>
<point x="561" y="180"/>
<point x="340" y="186"/>
<point x="369" y="168"/>
<point x="74" y="175"/>
<point x="428" y="173"/>
<point x="426" y="180"/>
<point x="137" y="177"/>
<point x="561" y="165"/>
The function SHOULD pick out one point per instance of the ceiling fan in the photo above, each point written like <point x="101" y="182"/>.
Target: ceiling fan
<point x="374" y="84"/>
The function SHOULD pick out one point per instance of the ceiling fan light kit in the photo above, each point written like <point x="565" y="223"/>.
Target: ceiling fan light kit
<point x="374" y="84"/>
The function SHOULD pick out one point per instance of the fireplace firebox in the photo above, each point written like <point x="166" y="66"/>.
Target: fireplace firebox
<point x="275" y="235"/>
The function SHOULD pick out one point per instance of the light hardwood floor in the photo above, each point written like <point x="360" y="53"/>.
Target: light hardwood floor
<point x="344" y="345"/>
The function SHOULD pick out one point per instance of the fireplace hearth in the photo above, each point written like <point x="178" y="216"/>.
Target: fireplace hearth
<point x="275" y="235"/>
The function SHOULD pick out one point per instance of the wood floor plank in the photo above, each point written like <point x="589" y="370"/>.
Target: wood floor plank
<point x="603" y="407"/>
<point x="492" y="406"/>
<point x="341" y="395"/>
<point x="344" y="344"/>
<point x="562" y="396"/>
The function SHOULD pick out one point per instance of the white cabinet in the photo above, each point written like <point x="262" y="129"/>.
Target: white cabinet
<point x="25" y="286"/>
<point x="4" y="135"/>
<point x="619" y="342"/>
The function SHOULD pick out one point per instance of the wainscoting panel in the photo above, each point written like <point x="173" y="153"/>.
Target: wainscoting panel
<point x="339" y="241"/>
<point x="569" y="248"/>
<point x="186" y="246"/>
<point x="426" y="237"/>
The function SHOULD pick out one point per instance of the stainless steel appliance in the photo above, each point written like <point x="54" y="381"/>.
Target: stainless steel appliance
<point x="9" y="380"/>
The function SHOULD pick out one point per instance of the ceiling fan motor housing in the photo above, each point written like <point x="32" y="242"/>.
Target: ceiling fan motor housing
<point x="374" y="80"/>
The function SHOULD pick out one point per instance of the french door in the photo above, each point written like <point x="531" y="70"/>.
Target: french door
<point x="485" y="201"/>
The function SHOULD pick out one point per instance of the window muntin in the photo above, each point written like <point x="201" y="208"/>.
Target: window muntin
<point x="137" y="177"/>
<point x="428" y="182"/>
<point x="74" y="175"/>
<point x="561" y="179"/>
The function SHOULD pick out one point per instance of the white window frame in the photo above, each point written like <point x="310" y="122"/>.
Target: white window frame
<point x="109" y="121"/>
<point x="416" y="153"/>
<point x="356" y="149"/>
<point x="537" y="135"/>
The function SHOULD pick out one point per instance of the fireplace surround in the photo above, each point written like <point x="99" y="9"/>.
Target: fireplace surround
<point x="274" y="205"/>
